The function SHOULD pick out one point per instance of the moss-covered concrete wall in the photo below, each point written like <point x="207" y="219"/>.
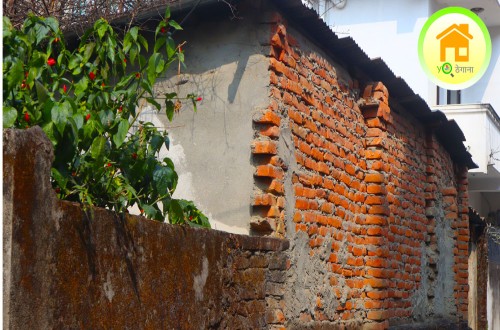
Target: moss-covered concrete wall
<point x="67" y="269"/>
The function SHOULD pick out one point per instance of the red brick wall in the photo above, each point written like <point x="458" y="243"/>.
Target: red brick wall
<point x="370" y="179"/>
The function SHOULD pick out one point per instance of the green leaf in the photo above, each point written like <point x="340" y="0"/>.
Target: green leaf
<point x="9" y="116"/>
<point x="152" y="63"/>
<point x="97" y="148"/>
<point x="81" y="87"/>
<point x="60" y="115"/>
<point x="74" y="129"/>
<point x="107" y="117"/>
<point x="120" y="136"/>
<point x="111" y="53"/>
<point x="164" y="179"/>
<point x="146" y="85"/>
<point x="7" y="27"/>
<point x="143" y="42"/>
<point x="175" y="214"/>
<point x="60" y="179"/>
<point x="89" y="129"/>
<point x="167" y="142"/>
<point x="170" y="109"/>
<point x="167" y="13"/>
<point x="102" y="28"/>
<point x="159" y="43"/>
<point x="53" y="24"/>
<point x="154" y="102"/>
<point x="127" y="43"/>
<point x="156" y="142"/>
<point x="78" y="118"/>
<point x="133" y="54"/>
<point x="15" y="74"/>
<point x="160" y="66"/>
<point x="41" y="32"/>
<point x="149" y="211"/>
<point x="124" y="81"/>
<point x="174" y="25"/>
<point x="171" y="48"/>
<point x="134" y="31"/>
<point x="89" y="49"/>
<point x="41" y="92"/>
<point x="51" y="134"/>
<point x="74" y="61"/>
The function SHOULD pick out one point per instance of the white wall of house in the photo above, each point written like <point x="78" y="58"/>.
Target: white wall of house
<point x="481" y="127"/>
<point x="390" y="29"/>
<point x="487" y="89"/>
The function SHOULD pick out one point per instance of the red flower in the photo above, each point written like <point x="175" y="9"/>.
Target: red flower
<point x="134" y="155"/>
<point x="26" y="116"/>
<point x="51" y="61"/>
<point x="191" y="218"/>
<point x="199" y="99"/>
<point x="124" y="60"/>
<point x="87" y="117"/>
<point x="108" y="165"/>
<point x="56" y="40"/>
<point x="58" y="190"/>
<point x="120" y="109"/>
<point x="163" y="30"/>
<point x="65" y="88"/>
<point x="103" y="85"/>
<point x="73" y="174"/>
<point x="137" y="75"/>
<point x="92" y="75"/>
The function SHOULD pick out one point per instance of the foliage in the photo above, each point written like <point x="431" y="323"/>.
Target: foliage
<point x="87" y="100"/>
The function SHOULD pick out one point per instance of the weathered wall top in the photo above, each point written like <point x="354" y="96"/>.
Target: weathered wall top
<point x="64" y="268"/>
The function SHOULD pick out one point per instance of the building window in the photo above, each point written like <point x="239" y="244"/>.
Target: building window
<point x="446" y="96"/>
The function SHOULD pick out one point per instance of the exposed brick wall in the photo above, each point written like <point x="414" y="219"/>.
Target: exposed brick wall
<point x="64" y="269"/>
<point x="372" y="204"/>
<point x="372" y="189"/>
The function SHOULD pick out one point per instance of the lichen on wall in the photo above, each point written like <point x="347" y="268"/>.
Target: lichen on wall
<point x="65" y="268"/>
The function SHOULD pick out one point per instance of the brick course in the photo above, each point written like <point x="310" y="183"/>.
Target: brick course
<point x="373" y="206"/>
<point x="370" y="178"/>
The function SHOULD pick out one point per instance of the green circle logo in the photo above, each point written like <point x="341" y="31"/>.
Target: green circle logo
<point x="447" y="68"/>
<point x="454" y="48"/>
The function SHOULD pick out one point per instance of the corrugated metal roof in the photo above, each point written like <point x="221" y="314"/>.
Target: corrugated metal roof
<point x="349" y="54"/>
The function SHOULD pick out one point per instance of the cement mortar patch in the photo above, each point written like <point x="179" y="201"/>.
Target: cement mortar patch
<point x="225" y="67"/>
<point x="286" y="152"/>
<point x="308" y="278"/>
<point x="420" y="299"/>
<point x="444" y="301"/>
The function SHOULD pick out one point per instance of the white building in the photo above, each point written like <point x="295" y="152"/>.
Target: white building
<point x="389" y="29"/>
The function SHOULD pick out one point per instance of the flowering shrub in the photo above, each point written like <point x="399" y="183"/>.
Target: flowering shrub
<point x="86" y="100"/>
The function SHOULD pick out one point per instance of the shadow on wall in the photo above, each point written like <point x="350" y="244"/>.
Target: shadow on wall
<point x="227" y="67"/>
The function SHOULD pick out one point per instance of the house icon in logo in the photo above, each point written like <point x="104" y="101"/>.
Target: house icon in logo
<point x="456" y="38"/>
